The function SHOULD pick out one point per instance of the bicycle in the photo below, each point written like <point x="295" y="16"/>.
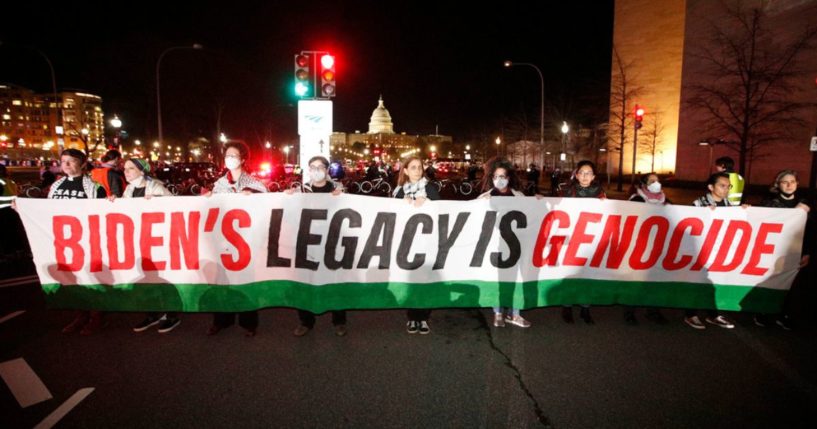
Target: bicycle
<point x="377" y="184"/>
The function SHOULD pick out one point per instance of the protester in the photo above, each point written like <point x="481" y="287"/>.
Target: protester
<point x="582" y="185"/>
<point x="648" y="191"/>
<point x="108" y="174"/>
<point x="142" y="185"/>
<point x="236" y="180"/>
<point x="555" y="177"/>
<point x="413" y="188"/>
<point x="320" y="182"/>
<point x="726" y="165"/>
<point x="532" y="186"/>
<point x="500" y="180"/>
<point x="76" y="184"/>
<point x="719" y="186"/>
<point x="784" y="195"/>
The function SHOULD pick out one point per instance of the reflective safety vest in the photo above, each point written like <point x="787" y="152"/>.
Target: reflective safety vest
<point x="736" y="192"/>
<point x="100" y="175"/>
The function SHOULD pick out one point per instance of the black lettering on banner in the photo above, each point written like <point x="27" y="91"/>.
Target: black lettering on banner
<point x="408" y="236"/>
<point x="349" y="243"/>
<point x="383" y="225"/>
<point x="273" y="260"/>
<point x="446" y="241"/>
<point x="484" y="238"/>
<point x="305" y="239"/>
<point x="507" y="234"/>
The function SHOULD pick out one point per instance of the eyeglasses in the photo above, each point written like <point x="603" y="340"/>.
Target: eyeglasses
<point x="500" y="177"/>
<point x="317" y="168"/>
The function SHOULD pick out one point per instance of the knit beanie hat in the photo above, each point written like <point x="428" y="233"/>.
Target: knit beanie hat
<point x="141" y="164"/>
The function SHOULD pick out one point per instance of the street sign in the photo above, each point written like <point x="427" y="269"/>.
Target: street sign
<point x="813" y="147"/>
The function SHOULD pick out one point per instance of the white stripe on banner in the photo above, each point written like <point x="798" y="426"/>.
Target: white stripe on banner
<point x="64" y="409"/>
<point x="11" y="316"/>
<point x="23" y="382"/>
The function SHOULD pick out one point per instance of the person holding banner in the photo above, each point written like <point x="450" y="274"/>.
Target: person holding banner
<point x="320" y="182"/>
<point x="413" y="188"/>
<point x="582" y="185"/>
<point x="236" y="180"/>
<point x="77" y="184"/>
<point x="783" y="196"/>
<point x="500" y="180"/>
<point x="719" y="186"/>
<point x="648" y="191"/>
<point x="141" y="185"/>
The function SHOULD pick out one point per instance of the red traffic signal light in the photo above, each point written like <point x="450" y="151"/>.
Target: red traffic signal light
<point x="639" y="116"/>
<point x="327" y="76"/>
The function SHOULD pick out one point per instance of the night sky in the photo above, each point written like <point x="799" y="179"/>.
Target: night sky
<point x="434" y="64"/>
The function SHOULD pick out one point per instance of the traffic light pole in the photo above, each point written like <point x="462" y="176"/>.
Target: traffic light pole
<point x="635" y="147"/>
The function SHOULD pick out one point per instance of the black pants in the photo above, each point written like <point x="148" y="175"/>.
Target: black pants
<point x="247" y="319"/>
<point x="308" y="318"/>
<point x="418" y="314"/>
<point x="710" y="313"/>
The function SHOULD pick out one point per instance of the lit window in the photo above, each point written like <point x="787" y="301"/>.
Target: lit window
<point x="17" y="102"/>
<point x="7" y="117"/>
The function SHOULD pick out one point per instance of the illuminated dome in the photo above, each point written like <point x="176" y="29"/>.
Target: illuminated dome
<point x="381" y="120"/>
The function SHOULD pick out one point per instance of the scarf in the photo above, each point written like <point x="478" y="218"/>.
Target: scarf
<point x="415" y="190"/>
<point x="650" y="197"/>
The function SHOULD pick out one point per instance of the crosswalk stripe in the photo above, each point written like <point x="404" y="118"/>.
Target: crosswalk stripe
<point x="23" y="382"/>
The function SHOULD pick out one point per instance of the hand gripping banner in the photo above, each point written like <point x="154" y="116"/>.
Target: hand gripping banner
<point x="324" y="252"/>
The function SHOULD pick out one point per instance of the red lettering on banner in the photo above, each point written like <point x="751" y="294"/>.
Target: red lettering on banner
<point x="95" y="241"/>
<point x="147" y="240"/>
<point x="761" y="248"/>
<point x="745" y="229"/>
<point x="61" y="243"/>
<point x="112" y="222"/>
<point x="556" y="242"/>
<point x="709" y="243"/>
<point x="241" y="246"/>
<point x="617" y="242"/>
<point x="644" y="239"/>
<point x="695" y="226"/>
<point x="187" y="241"/>
<point x="579" y="237"/>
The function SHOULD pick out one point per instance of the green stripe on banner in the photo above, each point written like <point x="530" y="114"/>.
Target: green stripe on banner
<point x="283" y="293"/>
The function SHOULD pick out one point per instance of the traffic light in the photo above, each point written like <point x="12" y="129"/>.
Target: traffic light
<point x="327" y="75"/>
<point x="303" y="87"/>
<point x="639" y="116"/>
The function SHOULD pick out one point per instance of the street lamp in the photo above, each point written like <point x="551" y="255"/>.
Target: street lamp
<point x="509" y="64"/>
<point x="158" y="93"/>
<point x="116" y="123"/>
<point x="711" y="143"/>
<point x="498" y="142"/>
<point x="286" y="154"/>
<point x="565" y="130"/>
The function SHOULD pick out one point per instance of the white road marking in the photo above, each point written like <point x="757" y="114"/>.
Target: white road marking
<point x="23" y="382"/>
<point x="64" y="409"/>
<point x="11" y="316"/>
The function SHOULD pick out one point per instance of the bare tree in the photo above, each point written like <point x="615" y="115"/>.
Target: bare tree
<point x="652" y="136"/>
<point x="623" y="92"/>
<point x="746" y="86"/>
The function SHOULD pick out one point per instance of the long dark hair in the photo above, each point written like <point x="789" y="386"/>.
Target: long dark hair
<point x="491" y="166"/>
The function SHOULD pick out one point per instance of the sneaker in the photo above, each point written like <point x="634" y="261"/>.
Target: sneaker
<point x="567" y="314"/>
<point x="518" y="320"/>
<point x="585" y="315"/>
<point x="694" y="322"/>
<point x="168" y="324"/>
<point x="784" y="322"/>
<point x="424" y="328"/>
<point x="629" y="318"/>
<point x="499" y="320"/>
<point x="301" y="330"/>
<point x="340" y="330"/>
<point x="760" y="320"/>
<point x="147" y="323"/>
<point x="721" y="321"/>
<point x="412" y="327"/>
<point x="79" y="321"/>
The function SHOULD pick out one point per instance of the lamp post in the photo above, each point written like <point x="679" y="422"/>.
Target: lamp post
<point x="509" y="64"/>
<point x="565" y="129"/>
<point x="57" y="104"/>
<point x="158" y="92"/>
<point x="116" y="123"/>
<point x="498" y="142"/>
<point x="711" y="143"/>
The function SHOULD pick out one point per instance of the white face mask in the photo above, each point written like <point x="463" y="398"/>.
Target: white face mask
<point x="232" y="163"/>
<point x="138" y="182"/>
<point x="500" y="183"/>
<point x="317" y="176"/>
<point x="654" y="187"/>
